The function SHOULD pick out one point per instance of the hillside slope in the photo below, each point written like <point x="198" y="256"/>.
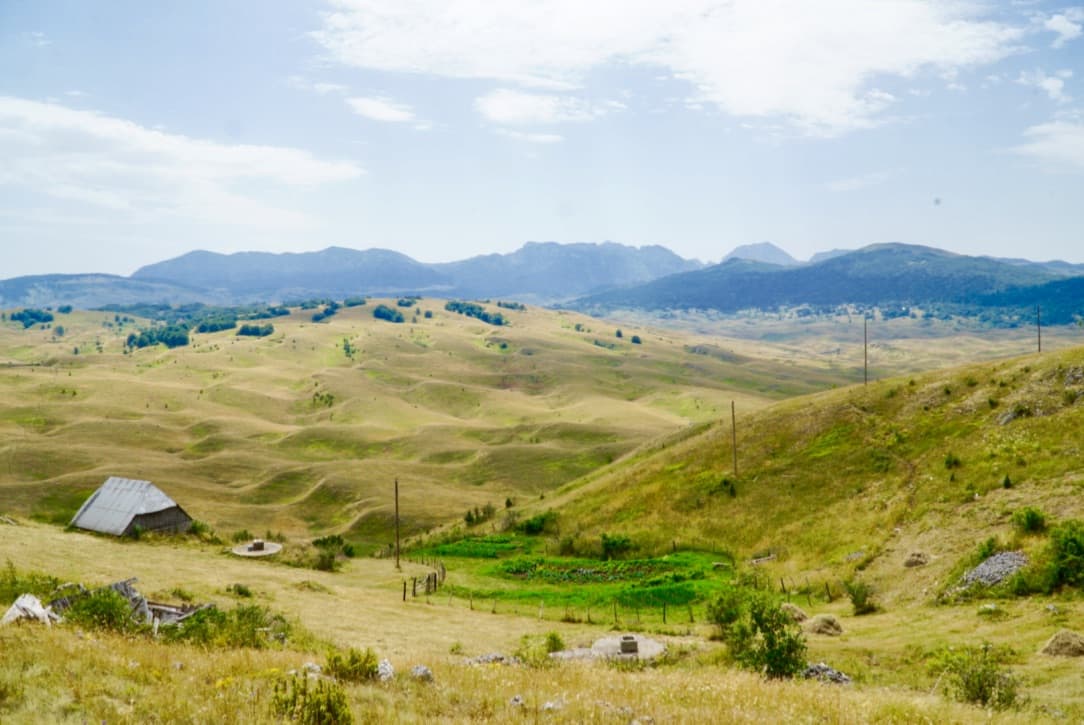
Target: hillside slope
<point x="859" y="477"/>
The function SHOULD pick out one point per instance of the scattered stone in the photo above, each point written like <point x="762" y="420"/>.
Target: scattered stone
<point x="1053" y="610"/>
<point x="8" y="520"/>
<point x="552" y="705"/>
<point x="517" y="701"/>
<point x="421" y="673"/>
<point x="916" y="558"/>
<point x="824" y="673"/>
<point x="384" y="671"/>
<point x="794" y="611"/>
<point x="855" y="555"/>
<point x="825" y="624"/>
<point x="996" y="569"/>
<point x="494" y="658"/>
<point x="1065" y="644"/>
<point x="311" y="669"/>
<point x="178" y="666"/>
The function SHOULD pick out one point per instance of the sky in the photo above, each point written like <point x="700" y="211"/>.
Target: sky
<point x="134" y="131"/>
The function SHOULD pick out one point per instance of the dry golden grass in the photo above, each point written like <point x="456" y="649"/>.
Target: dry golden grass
<point x="242" y="432"/>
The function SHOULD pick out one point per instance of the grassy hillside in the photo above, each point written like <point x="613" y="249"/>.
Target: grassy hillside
<point x="860" y="474"/>
<point x="305" y="430"/>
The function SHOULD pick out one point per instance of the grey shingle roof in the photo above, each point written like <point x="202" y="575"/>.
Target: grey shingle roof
<point x="113" y="506"/>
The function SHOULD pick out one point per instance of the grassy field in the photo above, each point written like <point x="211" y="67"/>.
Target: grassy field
<point x="63" y="675"/>
<point x="291" y="433"/>
<point x="582" y="432"/>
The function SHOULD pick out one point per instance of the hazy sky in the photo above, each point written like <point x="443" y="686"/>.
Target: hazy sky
<point x="132" y="132"/>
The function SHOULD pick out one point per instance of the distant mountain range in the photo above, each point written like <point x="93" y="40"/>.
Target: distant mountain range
<point x="538" y="272"/>
<point x="590" y="277"/>
<point x="881" y="274"/>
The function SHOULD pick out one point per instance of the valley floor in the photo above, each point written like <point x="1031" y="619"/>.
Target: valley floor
<point x="65" y="675"/>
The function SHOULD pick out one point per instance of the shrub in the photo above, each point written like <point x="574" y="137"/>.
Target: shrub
<point x="383" y="312"/>
<point x="554" y="643"/>
<point x="636" y="340"/>
<point x="247" y="330"/>
<point x="325" y="560"/>
<point x="1067" y="553"/>
<point x="861" y="596"/>
<point x="243" y="626"/>
<point x="319" y="703"/>
<point x="354" y="666"/>
<point x="102" y="609"/>
<point x="240" y="590"/>
<point x="952" y="461"/>
<point x="726" y="609"/>
<point x="1029" y="520"/>
<point x="976" y="675"/>
<point x="615" y="546"/>
<point x="758" y="633"/>
<point x="242" y="536"/>
<point x="539" y="523"/>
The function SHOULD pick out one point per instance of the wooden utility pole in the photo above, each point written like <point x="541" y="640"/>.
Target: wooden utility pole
<point x="734" y="436"/>
<point x="1039" y="326"/>
<point x="865" y="350"/>
<point x="397" y="523"/>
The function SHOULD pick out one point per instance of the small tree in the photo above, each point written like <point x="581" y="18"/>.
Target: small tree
<point x="758" y="633"/>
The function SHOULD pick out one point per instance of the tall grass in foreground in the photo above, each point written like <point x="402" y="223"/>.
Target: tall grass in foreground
<point x="56" y="675"/>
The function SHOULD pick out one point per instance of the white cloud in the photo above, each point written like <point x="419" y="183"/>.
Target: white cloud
<point x="1058" y="143"/>
<point x="381" y="109"/>
<point x="37" y="39"/>
<point x="855" y="183"/>
<point x="320" y="87"/>
<point x="813" y="64"/>
<point x="540" y="138"/>
<point x="114" y="164"/>
<point x="1053" y="86"/>
<point x="1068" y="25"/>
<point x="518" y="108"/>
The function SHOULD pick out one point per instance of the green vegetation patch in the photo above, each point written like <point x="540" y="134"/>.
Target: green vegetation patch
<point x="497" y="546"/>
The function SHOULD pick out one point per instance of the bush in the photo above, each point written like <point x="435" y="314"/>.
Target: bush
<point x="615" y="546"/>
<point x="321" y="703"/>
<point x="240" y="590"/>
<point x="354" y="666"/>
<point x="636" y="340"/>
<point x="554" y="643"/>
<point x="1029" y="520"/>
<point x="1067" y="553"/>
<point x="976" y="675"/>
<point x="243" y="626"/>
<point x="758" y="633"/>
<point x="861" y="596"/>
<point x="540" y="523"/>
<point x="102" y="609"/>
<point x="952" y="461"/>
<point x="383" y="312"/>
<point x="247" y="330"/>
<point x="726" y="609"/>
<point x="325" y="560"/>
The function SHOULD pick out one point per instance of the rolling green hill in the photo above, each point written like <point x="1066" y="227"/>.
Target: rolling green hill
<point x="306" y="429"/>
<point x="858" y="477"/>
